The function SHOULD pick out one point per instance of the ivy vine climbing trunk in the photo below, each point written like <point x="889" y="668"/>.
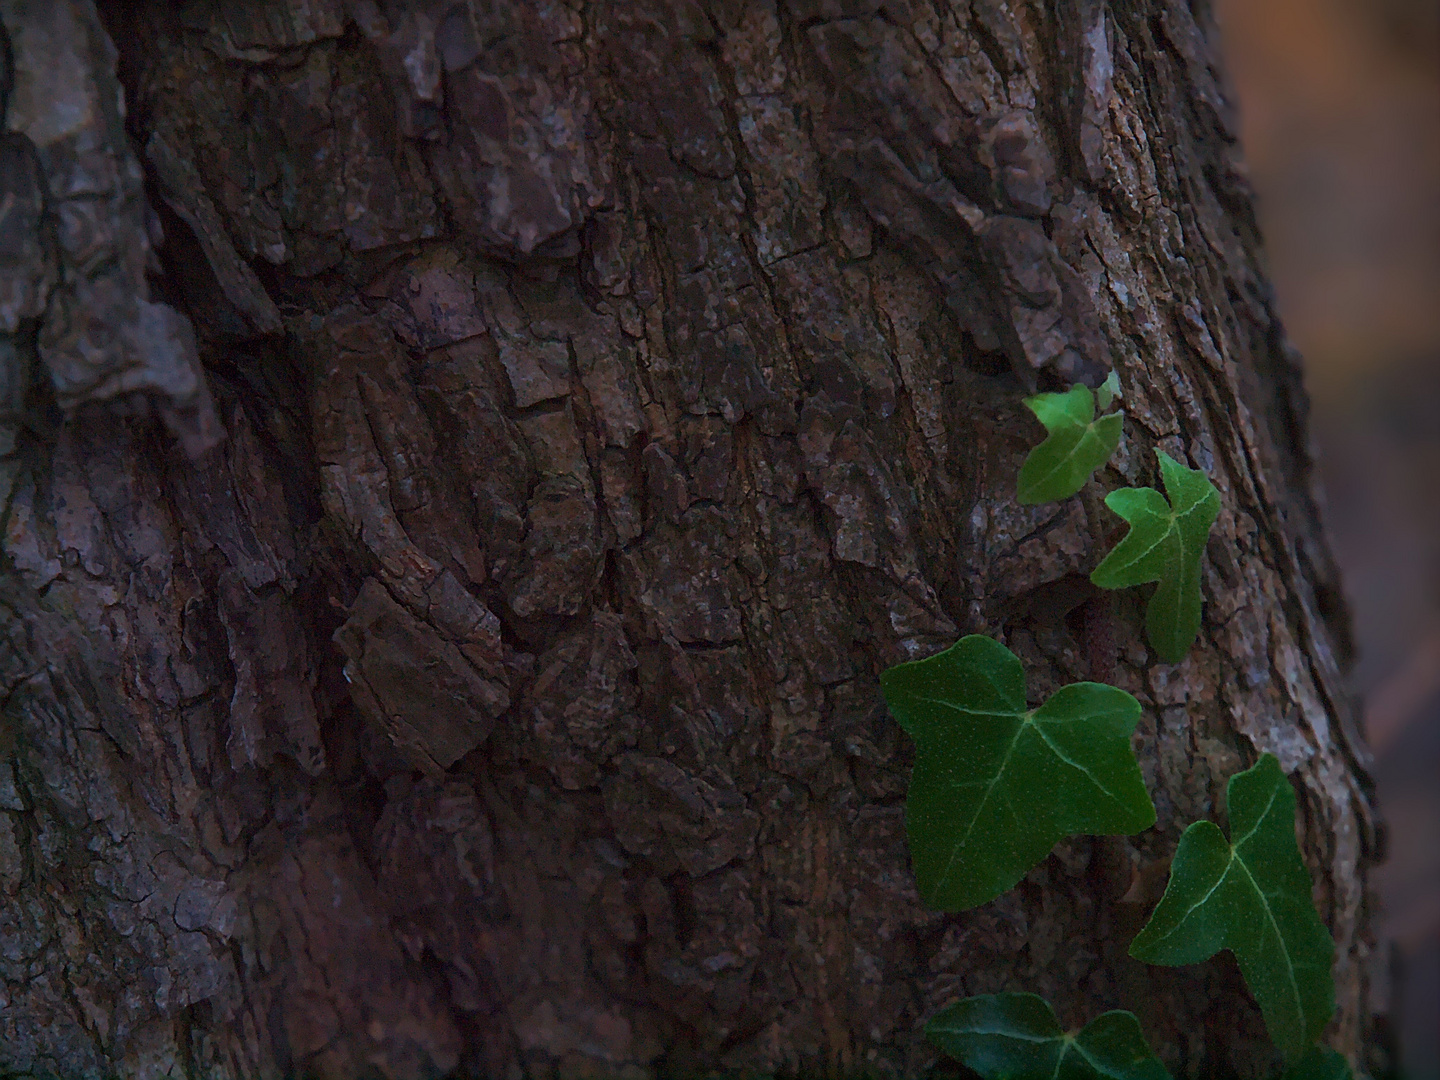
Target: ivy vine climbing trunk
<point x="466" y="465"/>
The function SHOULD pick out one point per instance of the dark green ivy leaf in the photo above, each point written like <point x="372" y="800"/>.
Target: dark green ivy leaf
<point x="1319" y="1064"/>
<point x="1164" y="544"/>
<point x="1078" y="444"/>
<point x="996" y="785"/>
<point x="1016" y="1037"/>
<point x="1253" y="898"/>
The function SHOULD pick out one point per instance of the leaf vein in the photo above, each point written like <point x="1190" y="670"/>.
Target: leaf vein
<point x="1076" y="765"/>
<point x="1280" y="937"/>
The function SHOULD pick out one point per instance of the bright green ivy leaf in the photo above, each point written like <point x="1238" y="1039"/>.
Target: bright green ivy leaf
<point x="1164" y="544"/>
<point x="1319" y="1063"/>
<point x="1078" y="444"/>
<point x="1016" y="1037"/>
<point x="996" y="785"/>
<point x="1253" y="898"/>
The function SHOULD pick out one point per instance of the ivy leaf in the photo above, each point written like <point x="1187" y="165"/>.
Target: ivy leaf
<point x="1253" y="898"/>
<point x="995" y="785"/>
<point x="1164" y="544"/>
<point x="1078" y="444"/>
<point x="1319" y="1063"/>
<point x="1016" y="1037"/>
<point x="1109" y="391"/>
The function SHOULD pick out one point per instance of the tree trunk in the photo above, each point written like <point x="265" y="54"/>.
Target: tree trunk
<point x="460" y="653"/>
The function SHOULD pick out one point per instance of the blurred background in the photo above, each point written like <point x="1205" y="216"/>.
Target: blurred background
<point x="1340" y="103"/>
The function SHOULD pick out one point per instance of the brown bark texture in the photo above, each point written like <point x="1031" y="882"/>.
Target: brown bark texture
<point x="465" y="465"/>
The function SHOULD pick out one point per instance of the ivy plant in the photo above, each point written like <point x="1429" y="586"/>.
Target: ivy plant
<point x="1078" y="442"/>
<point x="1164" y="544"/>
<point x="996" y="784"/>
<point x="1251" y="896"/>
<point x="1319" y="1063"/>
<point x="1017" y="1037"/>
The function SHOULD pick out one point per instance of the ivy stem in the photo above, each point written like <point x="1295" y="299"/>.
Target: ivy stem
<point x="1098" y="625"/>
<point x="1098" y="632"/>
<point x="1112" y="857"/>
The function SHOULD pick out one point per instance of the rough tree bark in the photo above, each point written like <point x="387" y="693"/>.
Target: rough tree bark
<point x="459" y="652"/>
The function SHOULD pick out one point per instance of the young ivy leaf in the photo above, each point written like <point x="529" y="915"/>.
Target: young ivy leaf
<point x="1016" y="1037"/>
<point x="1108" y="391"/>
<point x="996" y="785"/>
<point x="1253" y="898"/>
<point x="1164" y="544"/>
<point x="1319" y="1063"/>
<point x="1078" y="444"/>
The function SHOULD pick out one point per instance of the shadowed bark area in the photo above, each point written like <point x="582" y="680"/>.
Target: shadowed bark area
<point x="459" y="652"/>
